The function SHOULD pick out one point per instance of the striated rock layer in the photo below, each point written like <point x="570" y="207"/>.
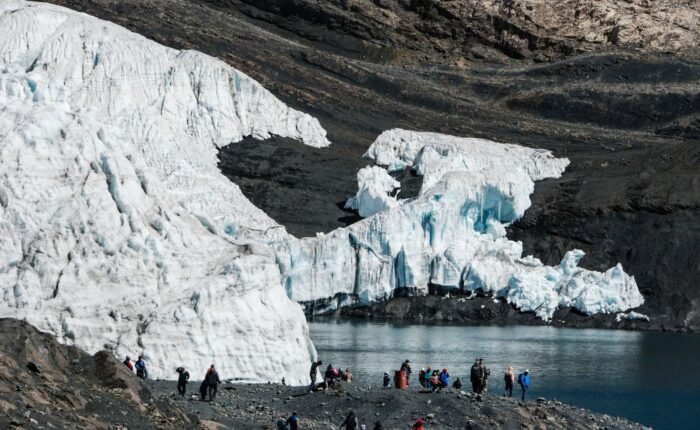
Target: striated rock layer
<point x="539" y="29"/>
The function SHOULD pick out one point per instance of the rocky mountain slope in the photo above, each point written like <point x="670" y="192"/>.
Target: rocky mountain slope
<point x="463" y="29"/>
<point x="49" y="385"/>
<point x="615" y="90"/>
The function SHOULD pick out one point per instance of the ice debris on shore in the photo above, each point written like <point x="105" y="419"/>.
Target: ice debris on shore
<point x="451" y="235"/>
<point x="631" y="316"/>
<point x="118" y="230"/>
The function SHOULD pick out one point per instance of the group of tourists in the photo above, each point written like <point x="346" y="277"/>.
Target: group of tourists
<point x="435" y="380"/>
<point x="331" y="375"/>
<point x="140" y="366"/>
<point x="209" y="386"/>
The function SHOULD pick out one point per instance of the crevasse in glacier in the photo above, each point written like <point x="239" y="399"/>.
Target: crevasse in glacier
<point x="452" y="234"/>
<point x="116" y="228"/>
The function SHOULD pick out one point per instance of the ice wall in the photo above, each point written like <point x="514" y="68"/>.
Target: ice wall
<point x="451" y="235"/>
<point x="116" y="228"/>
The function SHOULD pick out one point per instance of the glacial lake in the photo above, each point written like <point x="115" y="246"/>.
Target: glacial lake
<point x="651" y="378"/>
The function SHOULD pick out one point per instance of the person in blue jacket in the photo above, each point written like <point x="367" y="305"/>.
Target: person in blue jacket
<point x="524" y="381"/>
<point x="140" y="366"/>
<point x="444" y="379"/>
<point x="293" y="421"/>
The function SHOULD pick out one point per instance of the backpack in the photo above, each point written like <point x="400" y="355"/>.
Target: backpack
<point x="520" y="379"/>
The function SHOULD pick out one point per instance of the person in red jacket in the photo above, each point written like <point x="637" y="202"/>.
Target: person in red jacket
<point x="128" y="364"/>
<point x="418" y="425"/>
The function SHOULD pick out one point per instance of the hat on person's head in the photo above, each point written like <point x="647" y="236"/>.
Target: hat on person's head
<point x="527" y="370"/>
<point x="419" y="421"/>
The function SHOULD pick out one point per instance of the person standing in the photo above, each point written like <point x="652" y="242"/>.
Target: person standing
<point x="293" y="421"/>
<point x="486" y="373"/>
<point x="182" y="379"/>
<point x="140" y="366"/>
<point x="524" y="382"/>
<point x="203" y="389"/>
<point x="313" y="373"/>
<point x="476" y="376"/>
<point x="387" y="380"/>
<point x="406" y="367"/>
<point x="443" y="380"/>
<point x="351" y="422"/>
<point x="509" y="379"/>
<point x="213" y="381"/>
<point x="127" y="363"/>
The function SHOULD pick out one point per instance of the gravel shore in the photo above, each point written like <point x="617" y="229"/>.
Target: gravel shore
<point x="259" y="406"/>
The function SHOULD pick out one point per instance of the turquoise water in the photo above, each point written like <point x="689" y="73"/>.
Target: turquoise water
<point x="652" y="378"/>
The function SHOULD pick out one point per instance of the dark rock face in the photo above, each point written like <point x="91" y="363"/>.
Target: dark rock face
<point x="628" y="119"/>
<point x="57" y="386"/>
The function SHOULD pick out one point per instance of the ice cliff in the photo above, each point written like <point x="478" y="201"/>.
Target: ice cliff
<point x="451" y="235"/>
<point x="116" y="228"/>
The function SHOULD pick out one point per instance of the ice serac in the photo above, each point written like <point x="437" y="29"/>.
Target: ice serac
<point x="375" y="186"/>
<point x="117" y="230"/>
<point x="452" y="235"/>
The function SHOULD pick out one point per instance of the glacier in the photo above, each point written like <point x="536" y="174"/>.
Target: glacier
<point x="451" y="235"/>
<point x="117" y="229"/>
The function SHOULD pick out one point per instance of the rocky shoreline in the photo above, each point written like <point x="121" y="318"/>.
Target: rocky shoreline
<point x="480" y="310"/>
<point x="259" y="406"/>
<point x="50" y="385"/>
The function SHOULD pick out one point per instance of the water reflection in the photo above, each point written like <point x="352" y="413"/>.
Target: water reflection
<point x="649" y="377"/>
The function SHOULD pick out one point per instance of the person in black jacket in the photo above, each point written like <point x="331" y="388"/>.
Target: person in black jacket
<point x="351" y="422"/>
<point x="213" y="381"/>
<point x="183" y="377"/>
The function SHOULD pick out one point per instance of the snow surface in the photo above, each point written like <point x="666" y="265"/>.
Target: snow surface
<point x="118" y="231"/>
<point x="451" y="235"/>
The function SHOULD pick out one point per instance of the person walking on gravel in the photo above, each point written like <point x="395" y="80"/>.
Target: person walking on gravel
<point x="524" y="382"/>
<point x="213" y="381"/>
<point x="293" y="421"/>
<point x="351" y="422"/>
<point x="313" y="373"/>
<point x="182" y="379"/>
<point x="509" y="379"/>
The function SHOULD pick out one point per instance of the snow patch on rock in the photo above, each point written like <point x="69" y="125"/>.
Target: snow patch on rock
<point x="118" y="231"/>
